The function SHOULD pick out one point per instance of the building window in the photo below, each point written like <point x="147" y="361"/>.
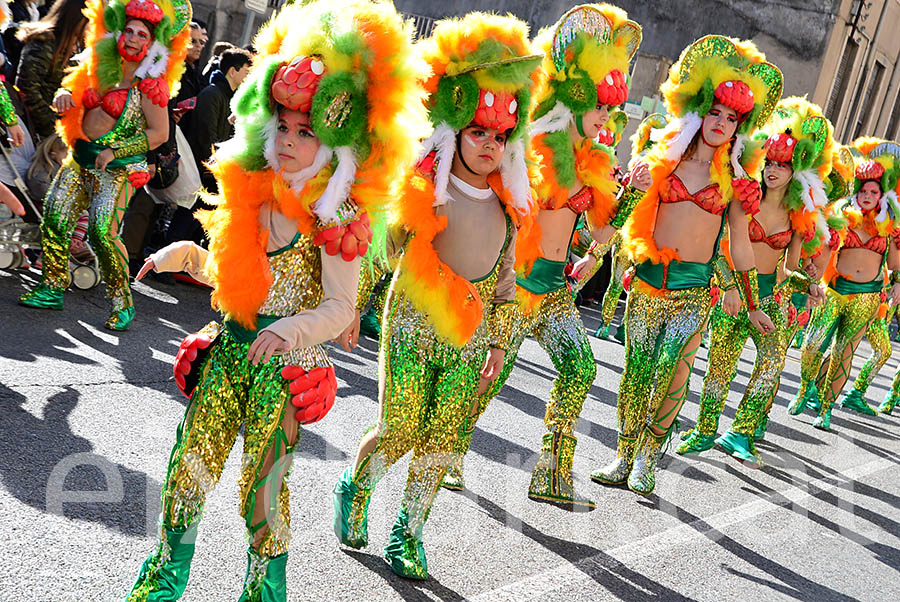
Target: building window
<point x="871" y="92"/>
<point x="893" y="130"/>
<point x="422" y="25"/>
<point x="839" y="90"/>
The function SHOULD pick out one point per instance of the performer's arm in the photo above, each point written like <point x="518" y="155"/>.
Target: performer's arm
<point x="332" y="315"/>
<point x="182" y="256"/>
<point x="745" y="266"/>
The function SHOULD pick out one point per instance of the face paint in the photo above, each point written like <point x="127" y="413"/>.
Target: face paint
<point x="139" y="36"/>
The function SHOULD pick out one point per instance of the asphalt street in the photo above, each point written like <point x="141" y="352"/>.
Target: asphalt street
<point x="88" y="417"/>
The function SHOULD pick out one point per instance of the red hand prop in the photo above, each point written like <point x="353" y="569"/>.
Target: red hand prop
<point x="156" y="89"/>
<point x="351" y="241"/>
<point x="313" y="392"/>
<point x="749" y="193"/>
<point x="138" y="178"/>
<point x="90" y="98"/>
<point x="187" y="353"/>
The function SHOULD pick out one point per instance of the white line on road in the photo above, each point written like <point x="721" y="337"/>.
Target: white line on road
<point x="569" y="576"/>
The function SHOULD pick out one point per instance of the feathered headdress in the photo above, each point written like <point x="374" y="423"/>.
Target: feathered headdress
<point x="350" y="64"/>
<point x="482" y="71"/>
<point x="611" y="133"/>
<point x="717" y="69"/>
<point x="648" y="133"/>
<point x="878" y="160"/>
<point x="800" y="135"/>
<point x="586" y="62"/>
<point x="100" y="68"/>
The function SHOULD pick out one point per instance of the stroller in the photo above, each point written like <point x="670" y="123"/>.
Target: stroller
<point x="17" y="235"/>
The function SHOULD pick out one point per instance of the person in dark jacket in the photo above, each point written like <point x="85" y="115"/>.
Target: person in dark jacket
<point x="49" y="46"/>
<point x="192" y="81"/>
<point x="21" y="11"/>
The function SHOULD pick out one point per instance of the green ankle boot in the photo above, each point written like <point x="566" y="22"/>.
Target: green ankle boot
<point x="351" y="511"/>
<point x="43" y="297"/>
<point x="453" y="478"/>
<point x="164" y="574"/>
<point x="740" y="447"/>
<point x="695" y="443"/>
<point x="799" y="404"/>
<point x="369" y="325"/>
<point x="887" y="406"/>
<point x="551" y="481"/>
<point x="620" y="334"/>
<point x="266" y="578"/>
<point x="616" y="473"/>
<point x="120" y="320"/>
<point x="854" y="400"/>
<point x="405" y="553"/>
<point x="761" y="430"/>
<point x="823" y="420"/>
<point x="642" y="479"/>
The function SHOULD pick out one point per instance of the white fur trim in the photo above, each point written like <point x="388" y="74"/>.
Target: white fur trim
<point x="656" y="134"/>
<point x="822" y="227"/>
<point x="559" y="118"/>
<point x="442" y="140"/>
<point x="298" y="179"/>
<point x="514" y="174"/>
<point x="736" y="151"/>
<point x="155" y="61"/>
<point x="338" y="189"/>
<point x="687" y="127"/>
<point x="890" y="206"/>
<point x="886" y="203"/>
<point x="814" y="195"/>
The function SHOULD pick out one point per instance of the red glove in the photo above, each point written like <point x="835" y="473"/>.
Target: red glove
<point x="351" y="241"/>
<point x="714" y="294"/>
<point x="834" y="239"/>
<point x="313" y="392"/>
<point x="90" y="98"/>
<point x="185" y="357"/>
<point x="626" y="280"/>
<point x="749" y="193"/>
<point x="803" y="317"/>
<point x="156" y="89"/>
<point x="138" y="178"/>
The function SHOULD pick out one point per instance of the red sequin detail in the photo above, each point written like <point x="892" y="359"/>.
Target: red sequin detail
<point x="496" y="111"/>
<point x="707" y="198"/>
<point x="612" y="89"/>
<point x="295" y="85"/>
<point x="735" y="95"/>
<point x="875" y="243"/>
<point x="113" y="103"/>
<point x="777" y="241"/>
<point x="581" y="201"/>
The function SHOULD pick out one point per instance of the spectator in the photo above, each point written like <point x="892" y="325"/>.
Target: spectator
<point x="213" y="64"/>
<point x="48" y="158"/>
<point x="191" y="82"/>
<point x="49" y="45"/>
<point x="21" y="11"/>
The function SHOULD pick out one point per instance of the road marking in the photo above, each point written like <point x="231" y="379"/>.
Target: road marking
<point x="569" y="576"/>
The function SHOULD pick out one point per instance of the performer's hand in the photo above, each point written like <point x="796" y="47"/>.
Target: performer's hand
<point x="640" y="177"/>
<point x="811" y="269"/>
<point x="187" y="353"/>
<point x="10" y="200"/>
<point x="816" y="295"/>
<point x="731" y="302"/>
<point x="350" y="337"/>
<point x="104" y="158"/>
<point x="583" y="266"/>
<point x="265" y="346"/>
<point x="62" y="102"/>
<point x="148" y="265"/>
<point x="761" y="322"/>
<point x="16" y="135"/>
<point x="895" y="294"/>
<point x="492" y="366"/>
<point x="313" y="392"/>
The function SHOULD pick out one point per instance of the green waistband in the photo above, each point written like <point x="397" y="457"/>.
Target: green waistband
<point x="545" y="277"/>
<point x="86" y="152"/>
<point x="799" y="300"/>
<point x="248" y="335"/>
<point x="766" y="284"/>
<point x="848" y="287"/>
<point x="676" y="275"/>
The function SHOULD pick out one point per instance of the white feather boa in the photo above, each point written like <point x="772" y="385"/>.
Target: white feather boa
<point x="443" y="142"/>
<point x="814" y="195"/>
<point x="155" y="61"/>
<point x="557" y="119"/>
<point x="686" y="128"/>
<point x="339" y="184"/>
<point x="514" y="174"/>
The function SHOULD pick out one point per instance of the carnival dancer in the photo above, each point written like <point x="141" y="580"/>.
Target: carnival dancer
<point x="321" y="138"/>
<point x="789" y="224"/>
<point x="855" y="276"/>
<point x="641" y="143"/>
<point x="893" y="396"/>
<point x="584" y="74"/>
<point x="113" y="107"/>
<point x="719" y="92"/>
<point x="446" y="324"/>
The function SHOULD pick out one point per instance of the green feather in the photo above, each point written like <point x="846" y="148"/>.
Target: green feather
<point x="109" y="64"/>
<point x="523" y="98"/>
<point x="578" y="93"/>
<point x="350" y="127"/>
<point x="563" y="157"/>
<point x="455" y="101"/>
<point x="114" y="16"/>
<point x="804" y="154"/>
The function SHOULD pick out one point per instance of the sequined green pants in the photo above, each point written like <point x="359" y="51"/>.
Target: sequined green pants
<point x="620" y="264"/>
<point x="727" y="337"/>
<point x="232" y="393"/>
<point x="879" y="338"/>
<point x="73" y="191"/>
<point x="659" y="325"/>
<point x="838" y="323"/>
<point x="426" y="387"/>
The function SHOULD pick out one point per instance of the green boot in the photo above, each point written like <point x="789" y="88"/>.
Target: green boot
<point x="695" y="443"/>
<point x="887" y="406"/>
<point x="823" y="420"/>
<point x="120" y="320"/>
<point x="740" y="447"/>
<point x="405" y="552"/>
<point x="453" y="478"/>
<point x="602" y="332"/>
<point x="761" y="430"/>
<point x="642" y="479"/>
<point x="351" y="511"/>
<point x="854" y="401"/>
<point x="265" y="580"/>
<point x="369" y="325"/>
<point x="164" y="574"/>
<point x="620" y="334"/>
<point x="617" y="472"/>
<point x="43" y="297"/>
<point x="551" y="481"/>
<point x="799" y="404"/>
